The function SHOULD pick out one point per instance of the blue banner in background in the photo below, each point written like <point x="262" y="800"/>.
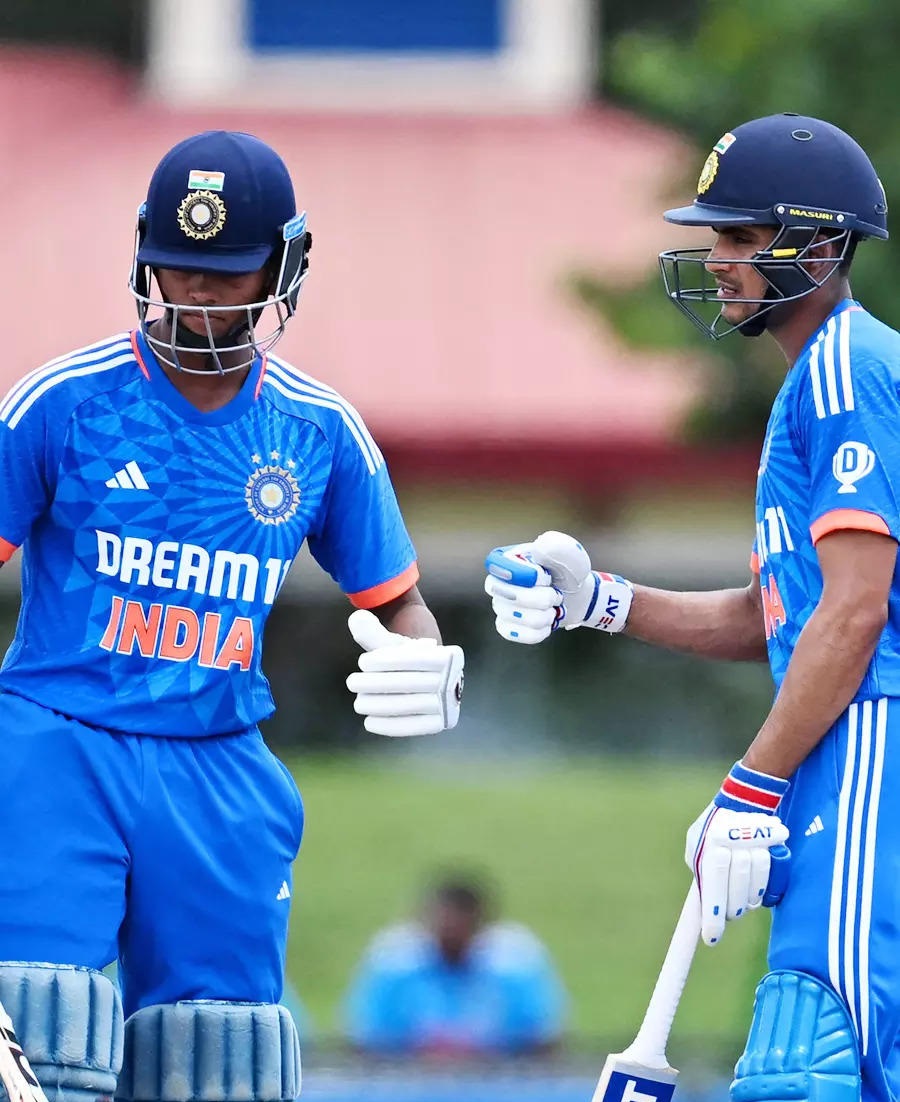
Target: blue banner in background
<point x="390" y="26"/>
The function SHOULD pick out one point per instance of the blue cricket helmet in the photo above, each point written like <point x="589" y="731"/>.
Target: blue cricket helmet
<point x="216" y="202"/>
<point x="221" y="202"/>
<point x="802" y="175"/>
<point x="788" y="170"/>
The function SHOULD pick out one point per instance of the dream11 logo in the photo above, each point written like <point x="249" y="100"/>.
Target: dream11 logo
<point x="852" y="461"/>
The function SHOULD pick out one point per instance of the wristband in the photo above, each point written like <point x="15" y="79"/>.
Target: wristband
<point x="609" y="604"/>
<point x="749" y="790"/>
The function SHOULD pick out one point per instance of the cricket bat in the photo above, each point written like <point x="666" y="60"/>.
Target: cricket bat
<point x="15" y="1072"/>
<point x="642" y="1073"/>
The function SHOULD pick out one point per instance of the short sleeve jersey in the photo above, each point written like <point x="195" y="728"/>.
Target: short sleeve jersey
<point x="155" y="537"/>
<point x="830" y="461"/>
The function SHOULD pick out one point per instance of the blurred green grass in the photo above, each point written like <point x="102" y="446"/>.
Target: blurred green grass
<point x="589" y="855"/>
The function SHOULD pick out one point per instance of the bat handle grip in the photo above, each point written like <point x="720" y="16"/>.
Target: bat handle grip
<point x="649" y="1046"/>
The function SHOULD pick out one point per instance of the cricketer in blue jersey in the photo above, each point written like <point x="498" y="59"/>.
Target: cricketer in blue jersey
<point x="160" y="483"/>
<point x="789" y="198"/>
<point x="455" y="983"/>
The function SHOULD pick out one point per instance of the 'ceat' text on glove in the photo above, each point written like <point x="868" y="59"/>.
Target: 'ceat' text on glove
<point x="736" y="849"/>
<point x="405" y="686"/>
<point x="537" y="588"/>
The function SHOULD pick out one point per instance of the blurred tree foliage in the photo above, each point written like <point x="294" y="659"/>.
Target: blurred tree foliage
<point x="111" y="26"/>
<point x="704" y="66"/>
<point x="617" y="17"/>
<point x="570" y="699"/>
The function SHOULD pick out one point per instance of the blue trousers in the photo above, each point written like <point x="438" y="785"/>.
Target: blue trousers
<point x="171" y="854"/>
<point x="840" y="918"/>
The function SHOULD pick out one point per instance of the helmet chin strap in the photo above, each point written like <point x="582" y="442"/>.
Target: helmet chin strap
<point x="758" y="322"/>
<point x="184" y="339"/>
<point x="762" y="319"/>
<point x="788" y="285"/>
<point x="202" y="342"/>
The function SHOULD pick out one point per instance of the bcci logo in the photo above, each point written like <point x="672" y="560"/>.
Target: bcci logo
<point x="272" y="495"/>
<point x="852" y="461"/>
<point x="201" y="215"/>
<point x="708" y="173"/>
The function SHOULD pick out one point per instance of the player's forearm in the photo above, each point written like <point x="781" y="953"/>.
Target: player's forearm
<point x="826" y="669"/>
<point x="416" y="621"/>
<point x="409" y="615"/>
<point x="723" y="623"/>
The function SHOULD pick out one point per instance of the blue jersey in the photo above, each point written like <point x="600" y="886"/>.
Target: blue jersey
<point x="830" y="461"/>
<point x="156" y="537"/>
<point x="504" y="997"/>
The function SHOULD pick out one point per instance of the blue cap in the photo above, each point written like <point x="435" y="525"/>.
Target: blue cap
<point x="217" y="202"/>
<point x="791" y="170"/>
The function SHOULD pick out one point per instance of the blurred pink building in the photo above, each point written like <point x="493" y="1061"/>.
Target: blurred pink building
<point x="437" y="300"/>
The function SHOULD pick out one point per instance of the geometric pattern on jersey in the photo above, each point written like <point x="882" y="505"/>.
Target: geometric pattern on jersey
<point x="144" y="608"/>
<point x="200" y="501"/>
<point x="842" y="392"/>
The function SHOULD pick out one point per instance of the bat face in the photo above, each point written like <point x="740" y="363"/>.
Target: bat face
<point x="623" y="1080"/>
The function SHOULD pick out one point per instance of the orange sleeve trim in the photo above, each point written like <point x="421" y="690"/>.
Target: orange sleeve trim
<point x="387" y="591"/>
<point x="7" y="550"/>
<point x="754" y="563"/>
<point x="841" y="519"/>
<point x="136" y="349"/>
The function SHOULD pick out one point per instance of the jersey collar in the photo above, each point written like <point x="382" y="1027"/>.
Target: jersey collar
<point x="842" y="307"/>
<point x="167" y="392"/>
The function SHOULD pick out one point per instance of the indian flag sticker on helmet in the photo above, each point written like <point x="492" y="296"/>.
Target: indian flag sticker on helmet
<point x="210" y="181"/>
<point x="708" y="174"/>
<point x="725" y="143"/>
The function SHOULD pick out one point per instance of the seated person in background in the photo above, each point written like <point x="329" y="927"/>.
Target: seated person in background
<point x="455" y="983"/>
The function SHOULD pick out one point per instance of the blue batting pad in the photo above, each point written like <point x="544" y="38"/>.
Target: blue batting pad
<point x="210" y="1051"/>
<point x="802" y="1045"/>
<point x="69" y="1022"/>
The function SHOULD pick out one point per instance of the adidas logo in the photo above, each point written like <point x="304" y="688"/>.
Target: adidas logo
<point x="815" y="826"/>
<point x="130" y="477"/>
<point x="284" y="892"/>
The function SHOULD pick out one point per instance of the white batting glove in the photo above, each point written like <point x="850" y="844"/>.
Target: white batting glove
<point x="736" y="849"/>
<point x="406" y="686"/>
<point x="537" y="588"/>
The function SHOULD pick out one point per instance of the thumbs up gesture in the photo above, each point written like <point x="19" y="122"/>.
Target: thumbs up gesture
<point x="404" y="686"/>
